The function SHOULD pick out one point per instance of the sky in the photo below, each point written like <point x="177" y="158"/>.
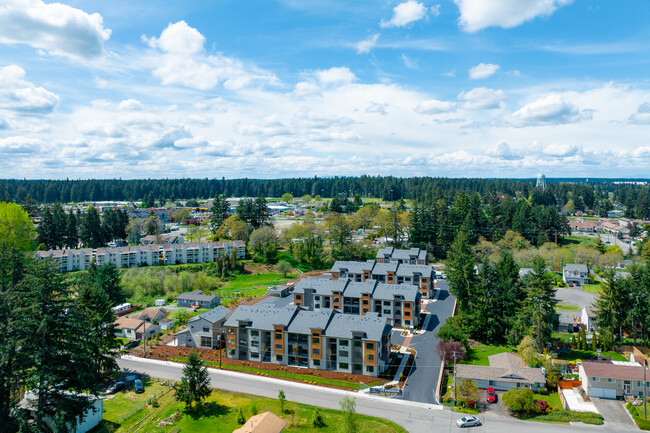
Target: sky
<point x="289" y="88"/>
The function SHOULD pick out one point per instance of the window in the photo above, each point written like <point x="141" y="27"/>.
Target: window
<point x="407" y="313"/>
<point x="316" y="361"/>
<point x="255" y="355"/>
<point x="344" y="365"/>
<point x="357" y="343"/>
<point x="255" y="333"/>
<point x="370" y="346"/>
<point x="370" y="369"/>
<point x="596" y="379"/>
<point x="357" y="366"/>
<point x="343" y="343"/>
<point x="315" y="340"/>
<point x="206" y="342"/>
<point x="278" y="358"/>
<point x="610" y="380"/>
<point x="231" y="331"/>
<point x="371" y="357"/>
<point x="365" y="302"/>
<point x="316" y="351"/>
<point x="278" y="347"/>
<point x="640" y="384"/>
<point x="206" y="329"/>
<point x="231" y="341"/>
<point x="278" y="335"/>
<point x="344" y="353"/>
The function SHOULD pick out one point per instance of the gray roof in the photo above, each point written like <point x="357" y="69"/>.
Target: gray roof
<point x="504" y="367"/>
<point x="371" y="325"/>
<point x="305" y="321"/>
<point x="321" y="286"/>
<point x="408" y="270"/>
<point x="213" y="315"/>
<point x="355" y="290"/>
<point x="567" y="317"/>
<point x="413" y="253"/>
<point x="384" y="268"/>
<point x="196" y="295"/>
<point x="262" y="316"/>
<point x="576" y="268"/>
<point x="387" y="292"/>
<point x="353" y="267"/>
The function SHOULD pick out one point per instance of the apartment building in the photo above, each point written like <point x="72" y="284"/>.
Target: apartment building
<point x="399" y="303"/>
<point x="413" y="256"/>
<point x="144" y="255"/>
<point x="324" y="340"/>
<point x="391" y="272"/>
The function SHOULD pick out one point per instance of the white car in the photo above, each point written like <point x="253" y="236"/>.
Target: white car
<point x="468" y="421"/>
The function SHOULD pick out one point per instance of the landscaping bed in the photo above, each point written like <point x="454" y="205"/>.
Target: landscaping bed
<point x="637" y="415"/>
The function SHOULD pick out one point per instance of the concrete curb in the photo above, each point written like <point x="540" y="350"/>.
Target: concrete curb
<point x="296" y="384"/>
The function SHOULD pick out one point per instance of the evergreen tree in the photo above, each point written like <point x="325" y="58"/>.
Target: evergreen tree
<point x="262" y="213"/>
<point x="612" y="306"/>
<point x="47" y="230"/>
<point x="107" y="279"/>
<point x="219" y="212"/>
<point x="195" y="383"/>
<point x="539" y="305"/>
<point x="71" y="232"/>
<point x="91" y="232"/>
<point x="461" y="272"/>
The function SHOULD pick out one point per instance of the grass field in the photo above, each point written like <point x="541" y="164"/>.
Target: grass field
<point x="592" y="288"/>
<point x="220" y="411"/>
<point x="479" y="355"/>
<point x="122" y="402"/>
<point x="561" y="416"/>
<point x="250" y="285"/>
<point x="567" y="307"/>
<point x="584" y="355"/>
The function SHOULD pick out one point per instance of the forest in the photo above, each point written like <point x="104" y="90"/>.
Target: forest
<point x="576" y="194"/>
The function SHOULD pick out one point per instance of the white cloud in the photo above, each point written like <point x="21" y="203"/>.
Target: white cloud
<point x="642" y="115"/>
<point x="434" y="106"/>
<point x="364" y="46"/>
<point x="479" y="14"/>
<point x="100" y="83"/>
<point x="503" y="151"/>
<point x="56" y="28"/>
<point x="21" y="96"/>
<point x="374" y="107"/>
<point x="435" y="10"/>
<point x="406" y="13"/>
<point x="553" y="109"/>
<point x="410" y="63"/>
<point x="335" y="76"/>
<point x="20" y="145"/>
<point x="184" y="62"/>
<point x="130" y="105"/>
<point x="482" y="98"/>
<point x="483" y="71"/>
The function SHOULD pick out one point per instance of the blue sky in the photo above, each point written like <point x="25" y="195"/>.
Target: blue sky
<point x="484" y="88"/>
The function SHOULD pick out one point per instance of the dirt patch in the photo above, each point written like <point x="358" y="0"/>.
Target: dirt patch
<point x="166" y="352"/>
<point x="257" y="268"/>
<point x="306" y="275"/>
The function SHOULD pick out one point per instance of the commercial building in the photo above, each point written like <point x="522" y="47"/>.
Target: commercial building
<point x="392" y="272"/>
<point x="399" y="303"/>
<point x="324" y="339"/>
<point x="144" y="255"/>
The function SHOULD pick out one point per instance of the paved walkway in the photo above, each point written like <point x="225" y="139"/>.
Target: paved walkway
<point x="405" y="359"/>
<point x="575" y="402"/>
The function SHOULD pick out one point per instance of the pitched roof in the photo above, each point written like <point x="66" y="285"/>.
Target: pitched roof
<point x="262" y="316"/>
<point x="408" y="270"/>
<point x="408" y="292"/>
<point x="129" y="323"/>
<point x="265" y="422"/>
<point x="213" y="315"/>
<point x="371" y="326"/>
<point x="321" y="286"/>
<point x="576" y="268"/>
<point x="504" y="367"/>
<point x="151" y="312"/>
<point x="613" y="371"/>
<point x="196" y="295"/>
<point x="353" y="267"/>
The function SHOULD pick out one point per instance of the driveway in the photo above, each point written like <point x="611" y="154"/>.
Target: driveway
<point x="423" y="381"/>
<point x="615" y="415"/>
<point x="575" y="296"/>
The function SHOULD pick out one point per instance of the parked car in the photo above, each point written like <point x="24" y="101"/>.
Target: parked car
<point x="138" y="386"/>
<point x="490" y="395"/>
<point x="468" y="421"/>
<point x="117" y="386"/>
<point x="569" y="284"/>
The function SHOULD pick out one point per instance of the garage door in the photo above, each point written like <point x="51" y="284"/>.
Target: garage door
<point x="603" y="393"/>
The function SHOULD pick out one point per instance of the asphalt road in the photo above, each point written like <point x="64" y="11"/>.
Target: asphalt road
<point x="423" y="380"/>
<point x="575" y="296"/>
<point x="414" y="417"/>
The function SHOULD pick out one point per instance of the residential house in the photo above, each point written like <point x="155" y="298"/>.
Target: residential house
<point x="506" y="371"/>
<point x="568" y="321"/>
<point x="204" y="330"/>
<point x="575" y="274"/>
<point x="135" y="329"/>
<point x="613" y="379"/>
<point x="91" y="418"/>
<point x="266" y="422"/>
<point x="413" y="256"/>
<point x="153" y="314"/>
<point x="588" y="318"/>
<point x="399" y="303"/>
<point x="197" y="298"/>
<point x="324" y="339"/>
<point x="166" y="324"/>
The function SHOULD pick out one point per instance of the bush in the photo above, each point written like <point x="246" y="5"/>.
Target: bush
<point x="542" y="406"/>
<point x="644" y="424"/>
<point x="520" y="401"/>
<point x="543" y="391"/>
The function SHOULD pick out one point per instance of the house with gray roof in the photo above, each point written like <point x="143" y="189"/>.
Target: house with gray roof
<point x="197" y="298"/>
<point x="413" y="256"/>
<point x="575" y="274"/>
<point x="322" y="339"/>
<point x="399" y="303"/>
<point x="389" y="272"/>
<point x="506" y="371"/>
<point x="204" y="330"/>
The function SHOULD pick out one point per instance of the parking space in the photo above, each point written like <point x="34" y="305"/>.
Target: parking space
<point x="616" y="416"/>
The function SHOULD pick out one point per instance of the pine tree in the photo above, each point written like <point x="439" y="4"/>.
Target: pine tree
<point x="319" y="422"/>
<point x="461" y="271"/>
<point x="540" y="303"/>
<point x="71" y="232"/>
<point x="219" y="212"/>
<point x="107" y="278"/>
<point x="195" y="383"/>
<point x="91" y="232"/>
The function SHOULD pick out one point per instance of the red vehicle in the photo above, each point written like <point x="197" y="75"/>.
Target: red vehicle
<point x="569" y="284"/>
<point x="490" y="395"/>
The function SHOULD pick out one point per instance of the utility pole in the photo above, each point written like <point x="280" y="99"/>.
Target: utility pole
<point x="645" y="386"/>
<point x="455" y="395"/>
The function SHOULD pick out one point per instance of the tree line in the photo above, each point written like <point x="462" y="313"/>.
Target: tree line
<point x="56" y="338"/>
<point x="58" y="229"/>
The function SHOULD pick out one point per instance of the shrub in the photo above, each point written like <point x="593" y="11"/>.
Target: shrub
<point x="520" y="401"/>
<point x="543" y="391"/>
<point x="240" y="417"/>
<point x="542" y="406"/>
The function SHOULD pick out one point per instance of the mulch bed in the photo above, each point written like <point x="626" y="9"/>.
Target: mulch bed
<point x="164" y="353"/>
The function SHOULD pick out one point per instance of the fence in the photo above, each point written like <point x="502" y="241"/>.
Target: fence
<point x="569" y="384"/>
<point x="142" y="405"/>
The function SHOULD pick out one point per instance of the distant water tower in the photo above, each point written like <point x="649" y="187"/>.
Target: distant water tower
<point x="541" y="181"/>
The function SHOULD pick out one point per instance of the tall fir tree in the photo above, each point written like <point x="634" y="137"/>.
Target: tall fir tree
<point x="220" y="210"/>
<point x="539" y="305"/>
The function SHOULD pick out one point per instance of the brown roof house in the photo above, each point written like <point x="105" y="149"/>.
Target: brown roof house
<point x="263" y="423"/>
<point x="134" y="329"/>
<point x="612" y="379"/>
<point x="506" y="371"/>
<point x="153" y="314"/>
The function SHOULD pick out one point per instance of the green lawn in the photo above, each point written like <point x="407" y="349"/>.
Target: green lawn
<point x="567" y="307"/>
<point x="561" y="336"/>
<point x="588" y="354"/>
<point x="220" y="411"/>
<point x="246" y="283"/>
<point x="124" y="401"/>
<point x="553" y="400"/>
<point x="479" y="355"/>
<point x="592" y="288"/>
